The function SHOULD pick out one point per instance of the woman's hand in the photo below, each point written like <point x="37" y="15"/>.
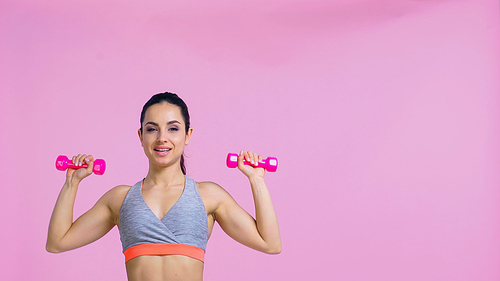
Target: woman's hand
<point x="78" y="175"/>
<point x="248" y="170"/>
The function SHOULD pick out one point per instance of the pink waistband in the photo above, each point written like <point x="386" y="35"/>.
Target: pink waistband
<point x="160" y="249"/>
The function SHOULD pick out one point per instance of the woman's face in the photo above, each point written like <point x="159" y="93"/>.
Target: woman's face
<point x="163" y="134"/>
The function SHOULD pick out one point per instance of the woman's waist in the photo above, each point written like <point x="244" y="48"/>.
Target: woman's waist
<point x="165" y="268"/>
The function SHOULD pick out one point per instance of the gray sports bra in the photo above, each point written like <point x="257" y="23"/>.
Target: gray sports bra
<point x="183" y="230"/>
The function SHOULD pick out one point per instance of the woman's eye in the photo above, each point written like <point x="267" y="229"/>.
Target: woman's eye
<point x="174" y="129"/>
<point x="151" y="129"/>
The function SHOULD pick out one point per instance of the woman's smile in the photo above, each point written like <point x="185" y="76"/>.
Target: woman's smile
<point x="162" y="150"/>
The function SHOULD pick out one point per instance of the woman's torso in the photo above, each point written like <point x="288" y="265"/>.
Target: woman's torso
<point x="165" y="267"/>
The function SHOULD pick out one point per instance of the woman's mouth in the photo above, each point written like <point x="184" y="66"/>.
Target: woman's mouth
<point x="162" y="151"/>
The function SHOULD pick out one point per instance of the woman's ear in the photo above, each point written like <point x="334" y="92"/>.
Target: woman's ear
<point x="140" y="135"/>
<point x="188" y="136"/>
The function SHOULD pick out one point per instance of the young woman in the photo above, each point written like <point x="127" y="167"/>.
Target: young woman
<point x="165" y="219"/>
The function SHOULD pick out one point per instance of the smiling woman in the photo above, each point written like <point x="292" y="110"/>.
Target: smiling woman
<point x="163" y="137"/>
<point x="168" y="100"/>
<point x="165" y="219"/>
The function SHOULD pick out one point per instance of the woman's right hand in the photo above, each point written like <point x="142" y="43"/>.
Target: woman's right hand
<point x="78" y="175"/>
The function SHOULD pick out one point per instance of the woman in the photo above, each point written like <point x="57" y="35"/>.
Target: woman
<point x="165" y="219"/>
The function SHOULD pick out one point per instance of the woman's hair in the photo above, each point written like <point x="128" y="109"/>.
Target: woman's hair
<point x="172" y="99"/>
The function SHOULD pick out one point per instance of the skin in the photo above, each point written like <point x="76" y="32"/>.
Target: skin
<point x="164" y="127"/>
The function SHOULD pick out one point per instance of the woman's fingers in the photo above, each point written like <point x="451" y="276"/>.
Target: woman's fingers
<point x="89" y="160"/>
<point x="247" y="156"/>
<point x="251" y="157"/>
<point x="78" y="161"/>
<point x="254" y="158"/>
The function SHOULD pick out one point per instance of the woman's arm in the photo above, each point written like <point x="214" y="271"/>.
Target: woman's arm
<point x="64" y="234"/>
<point x="261" y="233"/>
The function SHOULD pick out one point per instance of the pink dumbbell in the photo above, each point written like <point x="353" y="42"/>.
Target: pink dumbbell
<point x="270" y="163"/>
<point x="62" y="163"/>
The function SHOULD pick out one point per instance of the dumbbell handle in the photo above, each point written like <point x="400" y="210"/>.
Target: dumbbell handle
<point x="63" y="163"/>
<point x="270" y="163"/>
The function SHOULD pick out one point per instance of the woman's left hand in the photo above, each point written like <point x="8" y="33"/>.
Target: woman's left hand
<point x="249" y="170"/>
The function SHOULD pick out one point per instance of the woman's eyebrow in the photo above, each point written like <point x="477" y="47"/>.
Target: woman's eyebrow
<point x="156" y="124"/>
<point x="152" y="123"/>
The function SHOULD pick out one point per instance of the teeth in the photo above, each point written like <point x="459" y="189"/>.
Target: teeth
<point x="162" y="150"/>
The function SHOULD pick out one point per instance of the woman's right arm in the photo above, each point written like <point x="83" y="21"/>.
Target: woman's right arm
<point x="64" y="234"/>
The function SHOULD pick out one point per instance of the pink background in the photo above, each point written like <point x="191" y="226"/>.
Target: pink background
<point x="383" y="114"/>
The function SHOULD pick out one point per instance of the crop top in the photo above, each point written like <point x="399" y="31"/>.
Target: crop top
<point x="182" y="231"/>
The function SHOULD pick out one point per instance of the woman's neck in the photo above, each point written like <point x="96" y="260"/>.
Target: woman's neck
<point x="164" y="176"/>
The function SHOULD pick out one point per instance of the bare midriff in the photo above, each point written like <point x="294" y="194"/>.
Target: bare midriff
<point x="164" y="268"/>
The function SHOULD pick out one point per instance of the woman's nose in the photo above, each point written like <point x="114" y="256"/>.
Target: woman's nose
<point x="163" y="136"/>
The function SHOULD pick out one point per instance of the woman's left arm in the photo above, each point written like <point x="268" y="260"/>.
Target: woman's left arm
<point x="261" y="233"/>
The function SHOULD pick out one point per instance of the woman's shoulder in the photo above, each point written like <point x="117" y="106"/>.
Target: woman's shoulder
<point x="115" y="196"/>
<point x="209" y="186"/>
<point x="118" y="190"/>
<point x="212" y="191"/>
<point x="212" y="195"/>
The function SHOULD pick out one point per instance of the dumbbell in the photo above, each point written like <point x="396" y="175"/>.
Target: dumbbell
<point x="63" y="163"/>
<point x="270" y="163"/>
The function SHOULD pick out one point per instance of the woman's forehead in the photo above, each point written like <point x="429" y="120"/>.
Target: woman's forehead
<point x="163" y="112"/>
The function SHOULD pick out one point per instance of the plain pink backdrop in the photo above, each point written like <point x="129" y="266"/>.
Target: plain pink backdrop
<point x="383" y="114"/>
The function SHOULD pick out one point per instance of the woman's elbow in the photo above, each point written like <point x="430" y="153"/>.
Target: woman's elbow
<point x="274" y="250"/>
<point x="52" y="248"/>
